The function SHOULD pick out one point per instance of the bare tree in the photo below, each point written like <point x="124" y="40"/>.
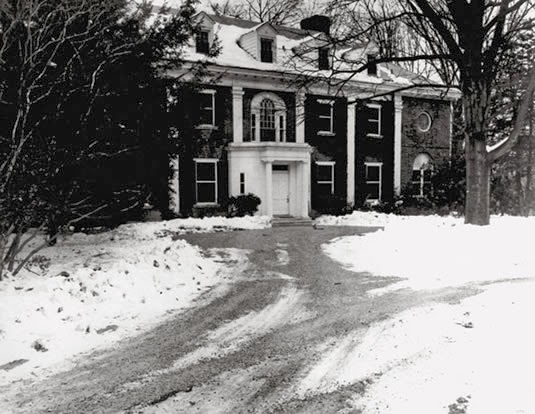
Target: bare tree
<point x="464" y="41"/>
<point x="273" y="11"/>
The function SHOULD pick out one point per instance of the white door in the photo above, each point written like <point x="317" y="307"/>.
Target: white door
<point x="281" y="190"/>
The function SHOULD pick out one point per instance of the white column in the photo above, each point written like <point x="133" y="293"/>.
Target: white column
<point x="351" y="153"/>
<point x="308" y="186"/>
<point x="303" y="190"/>
<point x="269" y="189"/>
<point x="237" y="113"/>
<point x="174" y="185"/>
<point x="398" y="109"/>
<point x="300" y="117"/>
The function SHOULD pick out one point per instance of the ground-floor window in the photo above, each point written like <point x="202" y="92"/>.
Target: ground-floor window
<point x="325" y="177"/>
<point x="373" y="180"/>
<point x="206" y="180"/>
<point x="422" y="170"/>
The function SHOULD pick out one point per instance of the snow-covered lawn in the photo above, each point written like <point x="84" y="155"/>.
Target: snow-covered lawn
<point x="472" y="357"/>
<point x="89" y="291"/>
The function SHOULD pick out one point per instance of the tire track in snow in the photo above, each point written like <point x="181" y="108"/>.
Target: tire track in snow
<point x="232" y="336"/>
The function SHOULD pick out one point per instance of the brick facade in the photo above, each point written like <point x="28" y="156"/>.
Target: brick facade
<point x="435" y="142"/>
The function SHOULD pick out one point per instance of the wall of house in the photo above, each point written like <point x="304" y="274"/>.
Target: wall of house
<point x="203" y="143"/>
<point x="327" y="147"/>
<point x="435" y="142"/>
<point x="374" y="149"/>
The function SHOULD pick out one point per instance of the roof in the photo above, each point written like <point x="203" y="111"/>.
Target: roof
<point x="229" y="30"/>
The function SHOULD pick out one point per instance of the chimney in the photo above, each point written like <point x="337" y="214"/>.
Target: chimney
<point x="318" y="23"/>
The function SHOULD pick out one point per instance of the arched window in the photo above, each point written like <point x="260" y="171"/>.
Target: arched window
<point x="422" y="169"/>
<point x="268" y="118"/>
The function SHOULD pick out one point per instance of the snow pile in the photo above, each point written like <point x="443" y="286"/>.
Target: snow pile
<point x="434" y="252"/>
<point x="89" y="291"/>
<point x="374" y="219"/>
<point x="475" y="356"/>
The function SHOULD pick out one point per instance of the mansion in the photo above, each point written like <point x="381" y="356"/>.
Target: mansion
<point x="257" y="128"/>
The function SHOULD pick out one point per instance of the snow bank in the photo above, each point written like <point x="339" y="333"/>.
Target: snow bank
<point x="474" y="357"/>
<point x="434" y="252"/>
<point x="89" y="291"/>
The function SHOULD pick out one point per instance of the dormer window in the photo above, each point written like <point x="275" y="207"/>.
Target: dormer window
<point x="372" y="65"/>
<point x="202" y="43"/>
<point x="323" y="58"/>
<point x="266" y="50"/>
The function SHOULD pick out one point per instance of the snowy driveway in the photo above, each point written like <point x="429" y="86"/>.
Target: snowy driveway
<point x="281" y="339"/>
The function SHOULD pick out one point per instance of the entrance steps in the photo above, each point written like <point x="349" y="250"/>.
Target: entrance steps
<point x="291" y="222"/>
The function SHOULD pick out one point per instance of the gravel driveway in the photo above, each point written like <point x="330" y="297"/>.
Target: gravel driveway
<point x="247" y="350"/>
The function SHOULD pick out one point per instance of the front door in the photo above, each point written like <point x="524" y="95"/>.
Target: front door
<point x="281" y="190"/>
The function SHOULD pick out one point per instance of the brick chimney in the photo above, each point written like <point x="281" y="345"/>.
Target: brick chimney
<point x="318" y="23"/>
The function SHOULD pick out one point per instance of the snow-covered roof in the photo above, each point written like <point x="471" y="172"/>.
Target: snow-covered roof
<point x="291" y="42"/>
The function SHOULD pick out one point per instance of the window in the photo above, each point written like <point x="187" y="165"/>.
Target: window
<point x="242" y="183"/>
<point x="423" y="122"/>
<point x="202" y="45"/>
<point x="422" y="170"/>
<point x="374" y="120"/>
<point x="266" y="50"/>
<point x="205" y="181"/>
<point x="325" y="116"/>
<point x="373" y="181"/>
<point x="323" y="58"/>
<point x="268" y="118"/>
<point x="372" y="65"/>
<point x="325" y="177"/>
<point x="207" y="107"/>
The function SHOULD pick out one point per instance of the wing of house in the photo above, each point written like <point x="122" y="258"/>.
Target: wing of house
<point x="257" y="129"/>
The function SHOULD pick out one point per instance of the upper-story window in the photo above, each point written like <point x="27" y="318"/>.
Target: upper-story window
<point x="372" y="65"/>
<point x="202" y="43"/>
<point x="266" y="50"/>
<point x="374" y="120"/>
<point x="323" y="58"/>
<point x="325" y="116"/>
<point x="207" y="107"/>
<point x="268" y="118"/>
<point x="423" y="122"/>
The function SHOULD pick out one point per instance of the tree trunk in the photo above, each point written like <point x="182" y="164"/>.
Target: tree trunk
<point x="477" y="208"/>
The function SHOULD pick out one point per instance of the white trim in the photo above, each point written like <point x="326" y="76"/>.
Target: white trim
<point x="351" y="119"/>
<point x="398" y="126"/>
<point x="426" y="114"/>
<point x="380" y="182"/>
<point x="378" y="121"/>
<point x="237" y="114"/>
<point x="213" y="161"/>
<point x="330" y="102"/>
<point x="331" y="164"/>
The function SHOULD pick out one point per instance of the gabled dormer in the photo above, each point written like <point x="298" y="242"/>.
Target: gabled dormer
<point x="363" y="54"/>
<point x="261" y="42"/>
<point x="316" y="51"/>
<point x="204" y="37"/>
